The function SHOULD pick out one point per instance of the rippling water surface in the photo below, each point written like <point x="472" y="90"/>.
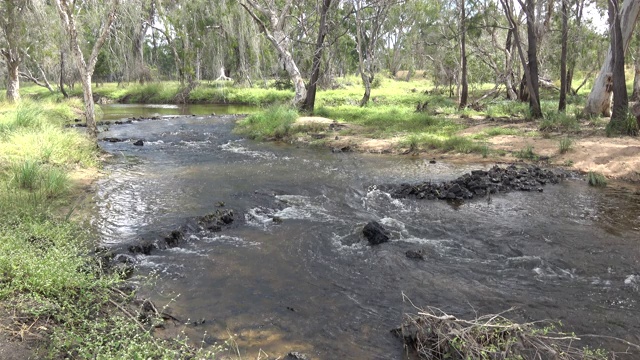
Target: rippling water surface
<point x="311" y="284"/>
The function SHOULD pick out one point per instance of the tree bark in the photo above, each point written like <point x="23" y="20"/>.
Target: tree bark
<point x="464" y="92"/>
<point x="62" y="68"/>
<point x="310" y="101"/>
<point x="562" y="103"/>
<point x="620" y="97"/>
<point x="599" y="100"/>
<point x="13" y="80"/>
<point x="86" y="68"/>
<point x="532" y="81"/>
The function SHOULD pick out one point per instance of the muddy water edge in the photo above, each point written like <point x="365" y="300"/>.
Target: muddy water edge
<point x="293" y="273"/>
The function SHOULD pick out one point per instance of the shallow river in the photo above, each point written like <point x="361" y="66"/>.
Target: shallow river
<point x="312" y="284"/>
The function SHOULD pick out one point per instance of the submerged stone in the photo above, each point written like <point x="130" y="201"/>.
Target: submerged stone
<point x="375" y="233"/>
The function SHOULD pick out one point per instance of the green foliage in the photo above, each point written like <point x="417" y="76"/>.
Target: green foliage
<point x="559" y="121"/>
<point x="526" y="153"/>
<point x="596" y="179"/>
<point x="565" y="145"/>
<point x="274" y="122"/>
<point x="627" y="126"/>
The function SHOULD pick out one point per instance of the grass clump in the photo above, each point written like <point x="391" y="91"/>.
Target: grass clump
<point x="526" y="153"/>
<point x="559" y="121"/>
<point x="564" y="145"/>
<point x="273" y="123"/>
<point x="596" y="179"/>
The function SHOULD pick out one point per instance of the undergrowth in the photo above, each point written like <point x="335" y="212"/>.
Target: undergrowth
<point x="51" y="283"/>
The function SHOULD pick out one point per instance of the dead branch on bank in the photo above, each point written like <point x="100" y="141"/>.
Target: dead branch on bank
<point x="434" y="334"/>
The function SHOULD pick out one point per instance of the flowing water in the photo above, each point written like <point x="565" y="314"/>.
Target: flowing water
<point x="312" y="284"/>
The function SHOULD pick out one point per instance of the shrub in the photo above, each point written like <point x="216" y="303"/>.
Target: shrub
<point x="565" y="145"/>
<point x="596" y="179"/>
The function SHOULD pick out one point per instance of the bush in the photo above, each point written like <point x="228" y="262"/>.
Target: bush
<point x="565" y="145"/>
<point x="596" y="179"/>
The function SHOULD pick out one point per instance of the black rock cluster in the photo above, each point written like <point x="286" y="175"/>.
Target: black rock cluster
<point x="479" y="183"/>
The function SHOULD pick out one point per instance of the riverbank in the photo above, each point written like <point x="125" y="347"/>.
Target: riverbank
<point x="586" y="149"/>
<point x="60" y="297"/>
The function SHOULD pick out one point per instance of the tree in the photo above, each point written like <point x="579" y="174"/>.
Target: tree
<point x="310" y="100"/>
<point x="562" y="103"/>
<point x="617" y="124"/>
<point x="14" y="28"/>
<point x="530" y="67"/>
<point x="370" y="16"/>
<point x="599" y="100"/>
<point x="272" y="23"/>
<point x="464" y="92"/>
<point x="67" y="12"/>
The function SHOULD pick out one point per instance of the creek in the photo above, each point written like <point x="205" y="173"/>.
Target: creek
<point x="293" y="273"/>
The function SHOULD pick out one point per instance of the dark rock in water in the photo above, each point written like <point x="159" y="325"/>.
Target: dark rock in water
<point x="174" y="238"/>
<point x="112" y="139"/>
<point x="481" y="183"/>
<point x="76" y="120"/>
<point x="123" y="265"/>
<point x="412" y="254"/>
<point x="432" y="161"/>
<point x="139" y="143"/>
<point x="144" y="248"/>
<point x="375" y="233"/>
<point x="294" y="355"/>
<point x="215" y="221"/>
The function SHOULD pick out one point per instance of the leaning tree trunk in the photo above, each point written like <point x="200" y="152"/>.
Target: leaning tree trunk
<point x="599" y="100"/>
<point x="62" y="76"/>
<point x="282" y="44"/>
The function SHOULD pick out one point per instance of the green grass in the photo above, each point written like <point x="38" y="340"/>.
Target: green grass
<point x="526" y="153"/>
<point x="596" y="179"/>
<point x="49" y="278"/>
<point x="274" y="122"/>
<point x="564" y="145"/>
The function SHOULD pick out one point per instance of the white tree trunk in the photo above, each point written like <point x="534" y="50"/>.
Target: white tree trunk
<point x="89" y="106"/>
<point x="599" y="100"/>
<point x="275" y="33"/>
<point x="13" y="81"/>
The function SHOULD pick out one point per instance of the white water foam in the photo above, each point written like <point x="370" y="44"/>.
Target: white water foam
<point x="230" y="240"/>
<point x="236" y="148"/>
<point x="633" y="281"/>
<point x="377" y="198"/>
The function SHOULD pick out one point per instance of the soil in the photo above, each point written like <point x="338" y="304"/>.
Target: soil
<point x="591" y="150"/>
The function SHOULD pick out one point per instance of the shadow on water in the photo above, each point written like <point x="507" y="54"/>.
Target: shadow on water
<point x="293" y="272"/>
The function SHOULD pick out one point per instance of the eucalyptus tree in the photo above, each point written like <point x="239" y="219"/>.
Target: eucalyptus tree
<point x="530" y="65"/>
<point x="464" y="84"/>
<point x="309" y="102"/>
<point x="370" y="16"/>
<point x="15" y="19"/>
<point x="599" y="100"/>
<point x="74" y="15"/>
<point x="562" y="102"/>
<point x="618" y="123"/>
<point x="272" y="21"/>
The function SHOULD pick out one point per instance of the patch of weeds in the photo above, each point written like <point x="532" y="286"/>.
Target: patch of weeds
<point x="596" y="179"/>
<point x="526" y="153"/>
<point x="559" y="121"/>
<point x="565" y="145"/>
<point x="26" y="174"/>
<point x="274" y="122"/>
<point x="484" y="150"/>
<point x="568" y="163"/>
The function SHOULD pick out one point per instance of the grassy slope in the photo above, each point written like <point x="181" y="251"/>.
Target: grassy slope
<point x="49" y="281"/>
